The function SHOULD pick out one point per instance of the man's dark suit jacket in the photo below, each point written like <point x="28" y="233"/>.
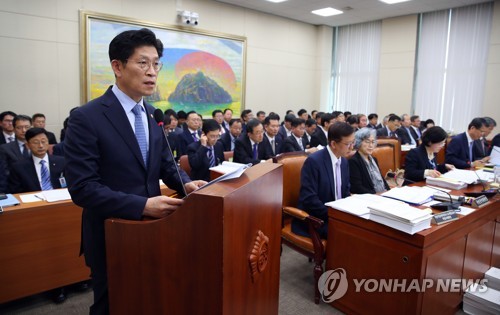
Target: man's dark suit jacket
<point x="278" y="144"/>
<point x="318" y="137"/>
<point x="481" y="149"/>
<point x="106" y="174"/>
<point x="52" y="137"/>
<point x="495" y="142"/>
<point x="317" y="186"/>
<point x="184" y="139"/>
<point x="417" y="162"/>
<point x="3" y="175"/>
<point x="457" y="152"/>
<point x="225" y="139"/>
<point x="243" y="152"/>
<point x="403" y="135"/>
<point x="291" y="144"/>
<point x="414" y="133"/>
<point x="11" y="153"/>
<point x="198" y="159"/>
<point x="23" y="177"/>
<point x="383" y="132"/>
<point x="361" y="182"/>
<point x="282" y="132"/>
<point x="2" y="138"/>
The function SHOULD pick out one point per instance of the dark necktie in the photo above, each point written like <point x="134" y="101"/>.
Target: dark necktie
<point x="338" y="180"/>
<point x="211" y="156"/>
<point x="272" y="147"/>
<point x="140" y="132"/>
<point x="44" y="174"/>
<point x="26" y="152"/>
<point x="10" y="139"/>
<point x="471" y="144"/>
<point x="195" y="138"/>
<point x="255" y="153"/>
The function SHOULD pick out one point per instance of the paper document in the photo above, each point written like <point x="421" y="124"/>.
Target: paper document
<point x="358" y="204"/>
<point x="411" y="194"/>
<point x="465" y="176"/>
<point x="56" y="195"/>
<point x="408" y="147"/>
<point x="230" y="169"/>
<point x="495" y="156"/>
<point x="27" y="198"/>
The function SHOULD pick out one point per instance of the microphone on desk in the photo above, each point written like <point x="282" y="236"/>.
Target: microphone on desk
<point x="485" y="192"/>
<point x="442" y="206"/>
<point x="158" y="116"/>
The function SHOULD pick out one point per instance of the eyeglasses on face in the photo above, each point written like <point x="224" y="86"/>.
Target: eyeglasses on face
<point x="146" y="64"/>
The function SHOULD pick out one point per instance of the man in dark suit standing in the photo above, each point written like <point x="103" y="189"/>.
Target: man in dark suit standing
<point x="6" y="119"/>
<point x="325" y="177"/>
<point x="460" y="150"/>
<point x="249" y="148"/>
<point x="320" y="135"/>
<point x="39" y="122"/>
<point x="116" y="153"/>
<point x="191" y="132"/>
<point x="272" y="139"/>
<point x="41" y="171"/>
<point x="206" y="153"/>
<point x="17" y="150"/>
<point x="229" y="138"/>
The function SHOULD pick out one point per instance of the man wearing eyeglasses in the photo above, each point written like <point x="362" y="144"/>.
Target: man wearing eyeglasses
<point x="325" y="177"/>
<point x="17" y="150"/>
<point x="6" y="119"/>
<point x="250" y="148"/>
<point x="116" y="153"/>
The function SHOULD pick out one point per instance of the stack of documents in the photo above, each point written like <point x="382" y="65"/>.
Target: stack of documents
<point x="358" y="204"/>
<point x="493" y="277"/>
<point x="444" y="182"/>
<point x="411" y="194"/>
<point x="465" y="176"/>
<point x="480" y="299"/>
<point x="403" y="217"/>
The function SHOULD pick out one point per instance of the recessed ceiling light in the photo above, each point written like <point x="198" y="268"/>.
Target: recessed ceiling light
<point x="276" y="1"/>
<point x="393" y="1"/>
<point x="327" y="12"/>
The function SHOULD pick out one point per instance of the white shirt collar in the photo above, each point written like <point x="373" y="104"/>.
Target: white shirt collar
<point x="469" y="139"/>
<point x="127" y="103"/>
<point x="37" y="160"/>
<point x="269" y="137"/>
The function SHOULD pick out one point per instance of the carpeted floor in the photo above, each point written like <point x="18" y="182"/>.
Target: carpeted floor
<point x="296" y="294"/>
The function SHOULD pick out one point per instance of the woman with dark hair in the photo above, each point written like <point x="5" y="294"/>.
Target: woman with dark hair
<point x="364" y="172"/>
<point x="421" y="162"/>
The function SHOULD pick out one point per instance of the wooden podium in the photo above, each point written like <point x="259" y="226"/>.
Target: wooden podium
<point x="218" y="254"/>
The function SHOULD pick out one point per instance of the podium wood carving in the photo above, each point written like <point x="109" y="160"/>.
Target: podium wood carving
<point x="259" y="256"/>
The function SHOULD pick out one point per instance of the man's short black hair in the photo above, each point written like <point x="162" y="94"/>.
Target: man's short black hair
<point x="268" y="119"/>
<point x="228" y="109"/>
<point x="245" y="113"/>
<point x="353" y="119"/>
<point x="182" y="114"/>
<point x="37" y="115"/>
<point x="33" y="132"/>
<point x="394" y="117"/>
<point x="490" y="122"/>
<point x="191" y="112"/>
<point x="260" y="112"/>
<point x="3" y="114"/>
<point x="433" y="135"/>
<point x="289" y="117"/>
<point x="339" y="130"/>
<point x="215" y="112"/>
<point x="477" y="123"/>
<point x="414" y="117"/>
<point x="297" y="122"/>
<point x="210" y="125"/>
<point x="301" y="111"/>
<point x="372" y="115"/>
<point x="252" y="123"/>
<point x="125" y="43"/>
<point x="232" y="121"/>
<point x="337" y="113"/>
<point x="170" y="112"/>
<point x="21" y="117"/>
<point x="326" y="117"/>
<point x="310" y="122"/>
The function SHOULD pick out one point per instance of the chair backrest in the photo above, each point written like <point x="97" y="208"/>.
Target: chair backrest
<point x="441" y="155"/>
<point x="228" y="155"/>
<point x="388" y="154"/>
<point x="184" y="164"/>
<point x="292" y="166"/>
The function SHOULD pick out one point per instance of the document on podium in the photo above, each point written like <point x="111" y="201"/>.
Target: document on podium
<point x="229" y="169"/>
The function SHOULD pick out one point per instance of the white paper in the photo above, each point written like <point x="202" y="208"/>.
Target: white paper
<point x="465" y="210"/>
<point x="495" y="156"/>
<point x="27" y="198"/>
<point x="407" y="147"/>
<point x="410" y="194"/>
<point x="465" y="176"/>
<point x="56" y="195"/>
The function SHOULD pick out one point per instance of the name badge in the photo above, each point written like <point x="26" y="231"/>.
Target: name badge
<point x="62" y="181"/>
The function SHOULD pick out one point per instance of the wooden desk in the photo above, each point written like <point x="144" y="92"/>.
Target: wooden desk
<point x="462" y="249"/>
<point x="39" y="248"/>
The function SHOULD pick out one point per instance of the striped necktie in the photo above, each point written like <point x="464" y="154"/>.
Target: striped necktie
<point x="254" y="151"/>
<point x="211" y="156"/>
<point x="44" y="174"/>
<point x="195" y="138"/>
<point x="338" y="181"/>
<point x="140" y="132"/>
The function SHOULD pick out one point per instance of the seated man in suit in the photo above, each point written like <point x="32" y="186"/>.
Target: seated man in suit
<point x="17" y="150"/>
<point x="416" y="129"/>
<point x="297" y="142"/>
<point x="320" y="135"/>
<point x="3" y="175"/>
<point x="286" y="129"/>
<point x="246" y="115"/>
<point x="311" y="126"/>
<point x="249" y="148"/>
<point x="273" y="140"/>
<point x="460" y="150"/>
<point x="404" y="132"/>
<point x="373" y="119"/>
<point x="325" y="177"/>
<point x="39" y="122"/>
<point x="206" y="153"/>
<point x="41" y="171"/>
<point x="229" y="138"/>
<point x="392" y="125"/>
<point x="481" y="146"/>
<point x="6" y="119"/>
<point x="190" y="134"/>
<point x="228" y="116"/>
<point x="219" y="117"/>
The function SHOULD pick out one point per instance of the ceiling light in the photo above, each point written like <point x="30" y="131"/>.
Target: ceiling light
<point x="327" y="12"/>
<point x="393" y="1"/>
<point x="276" y="1"/>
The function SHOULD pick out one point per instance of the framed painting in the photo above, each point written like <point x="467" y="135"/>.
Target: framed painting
<point x="202" y="71"/>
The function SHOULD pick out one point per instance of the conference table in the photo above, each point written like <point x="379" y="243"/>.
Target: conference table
<point x="380" y="262"/>
<point x="40" y="246"/>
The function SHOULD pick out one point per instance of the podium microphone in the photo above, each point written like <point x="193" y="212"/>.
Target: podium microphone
<point x="441" y="206"/>
<point x="158" y="116"/>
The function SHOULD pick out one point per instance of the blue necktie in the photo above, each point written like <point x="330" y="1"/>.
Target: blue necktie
<point x="195" y="138"/>
<point x="46" y="184"/>
<point x="140" y="132"/>
<point x="470" y="151"/>
<point x="255" y="153"/>
<point x="26" y="152"/>
<point x="211" y="157"/>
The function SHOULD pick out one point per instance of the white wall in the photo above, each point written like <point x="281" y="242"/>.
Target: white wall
<point x="40" y="65"/>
